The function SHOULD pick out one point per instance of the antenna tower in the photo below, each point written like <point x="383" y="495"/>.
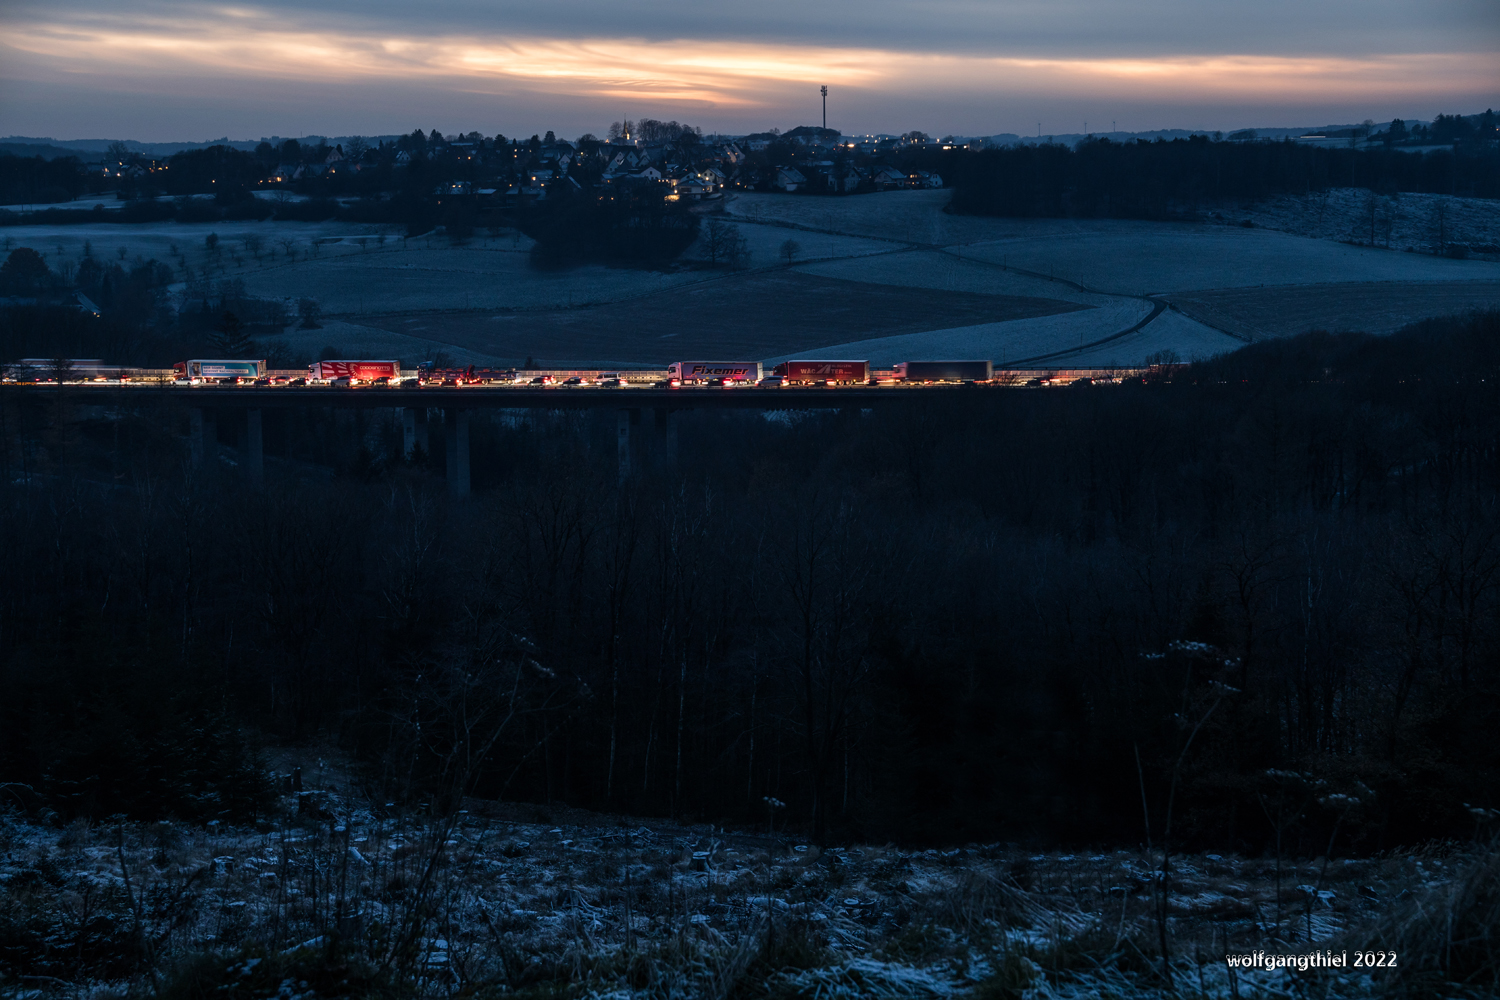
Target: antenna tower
<point x="825" y="105"/>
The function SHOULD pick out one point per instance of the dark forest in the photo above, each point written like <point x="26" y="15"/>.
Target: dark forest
<point x="1008" y="613"/>
<point x="1164" y="180"/>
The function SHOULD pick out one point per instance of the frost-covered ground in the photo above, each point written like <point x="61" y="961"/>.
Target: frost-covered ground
<point x="1421" y="222"/>
<point x="339" y="899"/>
<point x="1149" y="258"/>
<point x="1290" y="271"/>
<point x="1293" y="269"/>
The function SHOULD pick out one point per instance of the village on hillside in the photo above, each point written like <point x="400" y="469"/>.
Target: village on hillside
<point x="678" y="160"/>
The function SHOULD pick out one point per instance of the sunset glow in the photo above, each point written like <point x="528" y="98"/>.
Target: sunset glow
<point x="730" y="81"/>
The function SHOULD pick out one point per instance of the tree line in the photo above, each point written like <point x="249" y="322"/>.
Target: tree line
<point x="1266" y="591"/>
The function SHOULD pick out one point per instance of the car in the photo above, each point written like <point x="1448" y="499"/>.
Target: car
<point x="722" y="383"/>
<point x="772" y="382"/>
<point x="576" y="380"/>
<point x="263" y="380"/>
<point x="543" y="380"/>
<point x="668" y="383"/>
<point x="612" y="383"/>
<point x="296" y="381"/>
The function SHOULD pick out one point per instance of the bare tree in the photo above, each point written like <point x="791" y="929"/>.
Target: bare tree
<point x="718" y="239"/>
<point x="823" y="571"/>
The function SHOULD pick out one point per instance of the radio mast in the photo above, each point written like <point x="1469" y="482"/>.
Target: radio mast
<point x="825" y="105"/>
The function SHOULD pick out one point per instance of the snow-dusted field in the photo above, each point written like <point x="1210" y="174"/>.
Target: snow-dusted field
<point x="1147" y="258"/>
<point x="1375" y="307"/>
<point x="764" y="243"/>
<point x="451" y="278"/>
<point x="1170" y="331"/>
<point x="950" y="271"/>
<point x="899" y="216"/>
<point x="1398" y="221"/>
<point x="1069" y="339"/>
<point x="334" y="900"/>
<point x="164" y="240"/>
<point x="1286" y="274"/>
<point x="1012" y="340"/>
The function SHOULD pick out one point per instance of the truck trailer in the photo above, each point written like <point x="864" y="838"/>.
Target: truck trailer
<point x="945" y="371"/>
<point x="824" y="371"/>
<point x="702" y="371"/>
<point x="199" y="371"/>
<point x="354" y="371"/>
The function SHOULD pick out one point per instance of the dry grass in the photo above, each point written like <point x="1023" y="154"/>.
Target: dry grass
<point x="344" y="900"/>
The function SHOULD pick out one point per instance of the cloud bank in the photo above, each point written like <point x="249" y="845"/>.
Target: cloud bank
<point x="172" y="71"/>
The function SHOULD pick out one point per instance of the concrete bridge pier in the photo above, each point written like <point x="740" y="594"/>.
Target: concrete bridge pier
<point x="202" y="436"/>
<point x="255" y="464"/>
<point x="627" y="423"/>
<point x="664" y="440"/>
<point x="456" y="436"/>
<point x="414" y="430"/>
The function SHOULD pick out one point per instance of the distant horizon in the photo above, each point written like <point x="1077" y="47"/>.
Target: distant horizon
<point x="317" y="67"/>
<point x="1225" y="130"/>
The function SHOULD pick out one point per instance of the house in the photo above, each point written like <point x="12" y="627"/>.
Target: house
<point x="648" y="174"/>
<point x="847" y="180"/>
<point x="334" y="155"/>
<point x="403" y="158"/>
<point x="887" y="178"/>
<point x="694" y="189"/>
<point x="789" y="179"/>
<point x="927" y="179"/>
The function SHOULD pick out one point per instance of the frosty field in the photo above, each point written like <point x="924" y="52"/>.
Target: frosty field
<point x="483" y="300"/>
<point x="750" y="315"/>
<point x="1377" y="307"/>
<point x="1150" y="258"/>
<point x="326" y="898"/>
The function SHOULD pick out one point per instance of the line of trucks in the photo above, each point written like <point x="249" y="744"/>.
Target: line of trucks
<point x="680" y="373"/>
<point x="721" y="373"/>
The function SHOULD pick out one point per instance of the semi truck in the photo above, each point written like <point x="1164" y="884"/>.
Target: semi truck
<point x="702" y="371"/>
<point x="945" y="371"/>
<point x="824" y="371"/>
<point x="214" y="371"/>
<point x="354" y="371"/>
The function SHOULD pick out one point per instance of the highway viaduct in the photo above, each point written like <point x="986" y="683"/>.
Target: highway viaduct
<point x="643" y="414"/>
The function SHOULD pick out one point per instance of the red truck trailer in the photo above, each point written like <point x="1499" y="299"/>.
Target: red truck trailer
<point x="824" y="371"/>
<point x="354" y="371"/>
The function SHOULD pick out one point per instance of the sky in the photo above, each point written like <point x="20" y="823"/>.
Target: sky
<point x="167" y="70"/>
